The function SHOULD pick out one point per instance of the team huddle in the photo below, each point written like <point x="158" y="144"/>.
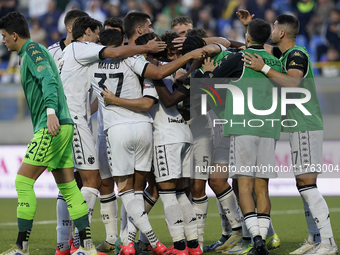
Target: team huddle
<point x="150" y="140"/>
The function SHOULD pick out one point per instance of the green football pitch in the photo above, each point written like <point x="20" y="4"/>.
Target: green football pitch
<point x="287" y="216"/>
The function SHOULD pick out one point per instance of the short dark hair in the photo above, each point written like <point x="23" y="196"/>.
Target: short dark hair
<point x="292" y="23"/>
<point x="168" y="37"/>
<point x="82" y="23"/>
<point x="181" y="20"/>
<point x="15" y="22"/>
<point x="259" y="31"/>
<point x="132" y="20"/>
<point x="111" y="37"/>
<point x="72" y="15"/>
<point x="114" y="22"/>
<point x="197" y="31"/>
<point x="144" y="39"/>
<point x="192" y="43"/>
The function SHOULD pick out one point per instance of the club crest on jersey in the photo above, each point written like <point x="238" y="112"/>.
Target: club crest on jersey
<point x="91" y="159"/>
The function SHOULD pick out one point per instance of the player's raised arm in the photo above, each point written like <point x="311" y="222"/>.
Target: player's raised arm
<point x="152" y="46"/>
<point x="159" y="72"/>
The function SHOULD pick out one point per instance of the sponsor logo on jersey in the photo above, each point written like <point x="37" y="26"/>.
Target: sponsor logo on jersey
<point x="35" y="52"/>
<point x="40" y="68"/>
<point x="38" y="59"/>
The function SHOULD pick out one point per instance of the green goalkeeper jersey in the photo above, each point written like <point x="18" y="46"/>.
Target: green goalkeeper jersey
<point x="42" y="85"/>
<point x="297" y="58"/>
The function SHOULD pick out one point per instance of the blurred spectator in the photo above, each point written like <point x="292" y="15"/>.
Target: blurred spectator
<point x="73" y="5"/>
<point x="130" y="5"/>
<point x="112" y="8"/>
<point x="235" y="36"/>
<point x="37" y="8"/>
<point x="146" y="8"/>
<point x="232" y="7"/>
<point x="194" y="12"/>
<point x="162" y="24"/>
<point x="330" y="69"/>
<point x="270" y="16"/>
<point x="330" y="34"/>
<point x="207" y="22"/>
<point x="7" y="6"/>
<point x="258" y="7"/>
<point x="38" y="34"/>
<point x="49" y="21"/>
<point x="323" y="10"/>
<point x="173" y="9"/>
<point x="93" y="9"/>
<point x="305" y="11"/>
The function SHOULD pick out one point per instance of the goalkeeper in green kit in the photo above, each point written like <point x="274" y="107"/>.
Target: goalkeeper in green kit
<point x="51" y="145"/>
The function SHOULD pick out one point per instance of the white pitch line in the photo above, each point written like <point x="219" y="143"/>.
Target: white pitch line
<point x="157" y="217"/>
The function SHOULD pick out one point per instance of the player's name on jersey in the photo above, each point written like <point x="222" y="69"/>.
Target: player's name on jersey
<point x="108" y="65"/>
<point x="176" y="120"/>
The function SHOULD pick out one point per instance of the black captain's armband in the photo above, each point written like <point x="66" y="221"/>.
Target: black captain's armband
<point x="297" y="60"/>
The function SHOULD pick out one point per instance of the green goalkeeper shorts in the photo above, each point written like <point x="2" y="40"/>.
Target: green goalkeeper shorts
<point x="51" y="152"/>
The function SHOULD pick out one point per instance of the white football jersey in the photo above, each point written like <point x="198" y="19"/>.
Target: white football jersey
<point x="56" y="50"/>
<point x="75" y="61"/>
<point x="122" y="77"/>
<point x="168" y="124"/>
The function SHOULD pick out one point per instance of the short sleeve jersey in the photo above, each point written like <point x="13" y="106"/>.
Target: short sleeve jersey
<point x="42" y="85"/>
<point x="168" y="126"/>
<point x="76" y="59"/>
<point x="297" y="58"/>
<point x="56" y="50"/>
<point x="122" y="77"/>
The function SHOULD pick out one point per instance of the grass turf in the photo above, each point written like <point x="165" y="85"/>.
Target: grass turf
<point x="287" y="216"/>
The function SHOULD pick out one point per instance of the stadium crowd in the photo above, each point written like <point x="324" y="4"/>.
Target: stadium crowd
<point x="319" y="19"/>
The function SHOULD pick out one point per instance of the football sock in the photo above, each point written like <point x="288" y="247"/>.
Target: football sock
<point x="123" y="225"/>
<point x="173" y="214"/>
<point x="27" y="206"/>
<point x="138" y="215"/>
<point x="85" y="238"/>
<point x="226" y="227"/>
<point x="200" y="206"/>
<point x="189" y="216"/>
<point x="271" y="230"/>
<point x="76" y="241"/>
<point x="109" y="211"/>
<point x="149" y="202"/>
<point x="64" y="224"/>
<point x="76" y="204"/>
<point x="264" y="223"/>
<point x="133" y="230"/>
<point x="22" y="239"/>
<point x="252" y="223"/>
<point x="313" y="231"/>
<point x="90" y="195"/>
<point x="245" y="231"/>
<point x="180" y="245"/>
<point x="319" y="209"/>
<point x="229" y="204"/>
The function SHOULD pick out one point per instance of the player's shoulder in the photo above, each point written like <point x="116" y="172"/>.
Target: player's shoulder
<point x="36" y="52"/>
<point x="54" y="46"/>
<point x="298" y="52"/>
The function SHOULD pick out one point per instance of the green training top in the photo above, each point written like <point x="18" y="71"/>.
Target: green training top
<point x="311" y="122"/>
<point x="42" y="85"/>
<point x="262" y="96"/>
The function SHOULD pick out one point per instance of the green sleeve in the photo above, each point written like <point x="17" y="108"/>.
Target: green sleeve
<point x="41" y="69"/>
